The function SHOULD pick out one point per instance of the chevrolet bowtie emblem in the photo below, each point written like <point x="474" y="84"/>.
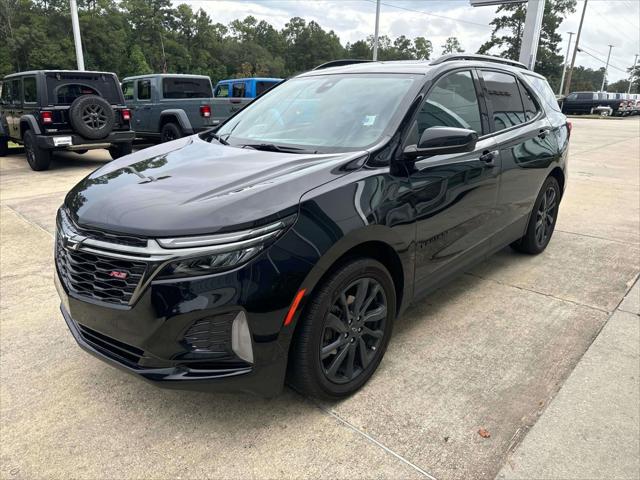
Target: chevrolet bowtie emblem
<point x="73" y="243"/>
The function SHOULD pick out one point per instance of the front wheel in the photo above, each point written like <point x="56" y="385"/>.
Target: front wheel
<point x="118" y="150"/>
<point x="542" y="221"/>
<point x="4" y="147"/>
<point x="344" y="332"/>
<point x="39" y="158"/>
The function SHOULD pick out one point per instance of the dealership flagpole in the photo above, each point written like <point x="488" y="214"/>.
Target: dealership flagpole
<point x="375" y="35"/>
<point x="75" y="24"/>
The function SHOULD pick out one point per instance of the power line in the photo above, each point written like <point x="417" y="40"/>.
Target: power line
<point x="600" y="60"/>
<point x="611" y="65"/>
<point x="431" y="14"/>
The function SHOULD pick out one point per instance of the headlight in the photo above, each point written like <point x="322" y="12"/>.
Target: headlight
<point x="219" y="252"/>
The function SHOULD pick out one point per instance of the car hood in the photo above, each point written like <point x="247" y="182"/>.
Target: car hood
<point x="190" y="186"/>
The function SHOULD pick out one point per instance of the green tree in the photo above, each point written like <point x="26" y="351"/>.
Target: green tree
<point x="452" y="45"/>
<point x="508" y="29"/>
<point x="423" y="48"/>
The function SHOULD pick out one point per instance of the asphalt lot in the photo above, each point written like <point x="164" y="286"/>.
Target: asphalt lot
<point x="489" y="350"/>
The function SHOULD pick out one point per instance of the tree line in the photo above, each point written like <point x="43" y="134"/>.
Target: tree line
<point x="132" y="37"/>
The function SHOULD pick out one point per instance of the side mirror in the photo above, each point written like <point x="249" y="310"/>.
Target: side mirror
<point x="442" y="141"/>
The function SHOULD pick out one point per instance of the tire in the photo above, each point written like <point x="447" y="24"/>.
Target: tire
<point x="170" y="131"/>
<point x="91" y="116"/>
<point x="38" y="158"/>
<point x="542" y="220"/>
<point x="80" y="152"/>
<point x="324" y="323"/>
<point x="4" y="147"/>
<point x="118" y="150"/>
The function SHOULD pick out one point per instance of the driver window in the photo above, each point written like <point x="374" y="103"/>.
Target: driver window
<point x="452" y="102"/>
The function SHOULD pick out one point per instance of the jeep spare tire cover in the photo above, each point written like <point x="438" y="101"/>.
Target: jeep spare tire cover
<point x="91" y="116"/>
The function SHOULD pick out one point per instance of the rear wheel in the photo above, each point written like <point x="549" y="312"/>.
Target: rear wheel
<point x="542" y="221"/>
<point x="345" y="331"/>
<point x="118" y="150"/>
<point x="4" y="147"/>
<point x="39" y="158"/>
<point x="170" y="131"/>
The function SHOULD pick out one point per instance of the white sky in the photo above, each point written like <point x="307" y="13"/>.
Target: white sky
<point x="615" y="22"/>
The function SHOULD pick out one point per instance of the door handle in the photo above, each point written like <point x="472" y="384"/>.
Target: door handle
<point x="489" y="157"/>
<point x="543" y="133"/>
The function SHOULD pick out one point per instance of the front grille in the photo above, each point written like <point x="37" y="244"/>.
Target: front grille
<point x="110" y="346"/>
<point x="92" y="275"/>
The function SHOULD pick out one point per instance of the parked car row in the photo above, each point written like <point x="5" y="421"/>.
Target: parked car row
<point x="603" y="103"/>
<point x="78" y="111"/>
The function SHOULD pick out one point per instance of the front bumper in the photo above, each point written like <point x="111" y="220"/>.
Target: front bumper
<point x="80" y="143"/>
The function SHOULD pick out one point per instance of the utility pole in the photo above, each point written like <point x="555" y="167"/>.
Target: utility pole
<point x="375" y="35"/>
<point x="566" y="60"/>
<point x="75" y="25"/>
<point x="567" y="87"/>
<point x="635" y="61"/>
<point x="604" y="76"/>
<point x="531" y="35"/>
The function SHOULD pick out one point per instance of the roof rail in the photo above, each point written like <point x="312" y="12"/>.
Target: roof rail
<point x="340" y="63"/>
<point x="475" y="56"/>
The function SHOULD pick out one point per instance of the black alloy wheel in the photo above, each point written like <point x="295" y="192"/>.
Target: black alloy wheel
<point x="94" y="116"/>
<point x="542" y="221"/>
<point x="353" y="330"/>
<point x="343" y="331"/>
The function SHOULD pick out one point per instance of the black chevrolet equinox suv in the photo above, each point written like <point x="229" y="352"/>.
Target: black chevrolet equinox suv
<point x="283" y="244"/>
<point x="49" y="110"/>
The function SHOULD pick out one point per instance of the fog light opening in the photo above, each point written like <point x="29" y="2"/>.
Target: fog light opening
<point x="241" y="338"/>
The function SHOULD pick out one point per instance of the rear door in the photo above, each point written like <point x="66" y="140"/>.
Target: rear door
<point x="454" y="196"/>
<point x="142" y="108"/>
<point x="526" y="143"/>
<point x="15" y="107"/>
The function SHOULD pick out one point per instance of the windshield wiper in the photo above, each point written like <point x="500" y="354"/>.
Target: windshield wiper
<point x="218" y="138"/>
<point x="272" y="147"/>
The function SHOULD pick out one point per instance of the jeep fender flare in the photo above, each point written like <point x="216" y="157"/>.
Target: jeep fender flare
<point x="30" y="120"/>
<point x="183" y="120"/>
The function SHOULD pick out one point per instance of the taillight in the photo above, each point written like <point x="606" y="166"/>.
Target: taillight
<point x="46" y="117"/>
<point x="205" y="111"/>
<point x="126" y="114"/>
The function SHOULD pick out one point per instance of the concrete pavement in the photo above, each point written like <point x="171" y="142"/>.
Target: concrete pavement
<point x="490" y="350"/>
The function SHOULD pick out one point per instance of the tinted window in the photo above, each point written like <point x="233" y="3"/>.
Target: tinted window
<point x="222" y="91"/>
<point x="30" y="92"/>
<point x="585" y="96"/>
<point x="452" y="102"/>
<point x="262" y="87"/>
<point x="504" y="97"/>
<point x="127" y="90"/>
<point x="186" y="88"/>
<point x="66" y="94"/>
<point x="107" y="86"/>
<point x="238" y="89"/>
<point x="144" y="89"/>
<point x="530" y="106"/>
<point x="16" y="91"/>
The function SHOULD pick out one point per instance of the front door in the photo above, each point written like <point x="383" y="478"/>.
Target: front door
<point x="454" y="196"/>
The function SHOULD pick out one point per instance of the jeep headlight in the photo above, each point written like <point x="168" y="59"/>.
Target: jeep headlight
<point x="207" y="254"/>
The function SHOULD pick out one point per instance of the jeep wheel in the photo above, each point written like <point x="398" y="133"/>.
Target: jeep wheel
<point x="4" y="147"/>
<point x="170" y="131"/>
<point x="39" y="158"/>
<point x="118" y="150"/>
<point x="91" y="116"/>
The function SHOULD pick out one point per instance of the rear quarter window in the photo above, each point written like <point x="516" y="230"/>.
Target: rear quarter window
<point x="262" y="87"/>
<point x="543" y="89"/>
<point x="186" y="88"/>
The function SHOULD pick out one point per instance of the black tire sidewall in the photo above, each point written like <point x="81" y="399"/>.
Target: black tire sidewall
<point x="4" y="147"/>
<point x="41" y="157"/>
<point x="170" y="127"/>
<point x="75" y="117"/>
<point x="528" y="243"/>
<point x="313" y="325"/>
<point x="118" y="150"/>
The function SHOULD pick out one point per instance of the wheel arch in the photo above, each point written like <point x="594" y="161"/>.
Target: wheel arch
<point x="28" y="122"/>
<point x="558" y="174"/>
<point x="178" y="116"/>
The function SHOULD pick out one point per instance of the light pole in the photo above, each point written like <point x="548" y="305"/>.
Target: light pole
<point x="635" y="61"/>
<point x="566" y="60"/>
<point x="375" y="34"/>
<point x="604" y="76"/>
<point x="575" y="50"/>
<point x="75" y="25"/>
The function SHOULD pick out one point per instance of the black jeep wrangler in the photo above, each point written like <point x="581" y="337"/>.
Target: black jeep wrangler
<point x="50" y="110"/>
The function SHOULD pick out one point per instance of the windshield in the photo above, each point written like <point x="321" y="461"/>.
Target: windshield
<point x="325" y="113"/>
